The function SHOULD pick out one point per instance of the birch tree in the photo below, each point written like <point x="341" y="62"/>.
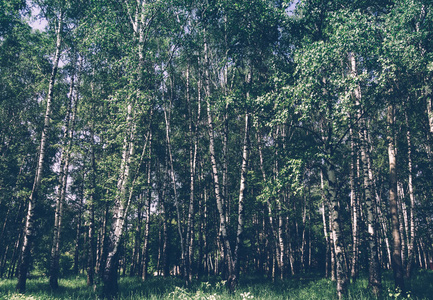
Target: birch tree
<point x="33" y="200"/>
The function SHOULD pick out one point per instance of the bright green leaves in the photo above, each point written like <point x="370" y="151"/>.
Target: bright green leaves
<point x="405" y="37"/>
<point x="354" y="31"/>
<point x="320" y="89"/>
<point x="322" y="95"/>
<point x="290" y="178"/>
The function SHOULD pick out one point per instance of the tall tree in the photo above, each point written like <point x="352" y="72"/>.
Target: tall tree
<point x="64" y="172"/>
<point x="30" y="218"/>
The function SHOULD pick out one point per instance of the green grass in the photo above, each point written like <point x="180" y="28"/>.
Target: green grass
<point x="302" y="287"/>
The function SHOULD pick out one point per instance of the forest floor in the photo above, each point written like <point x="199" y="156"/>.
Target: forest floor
<point x="307" y="286"/>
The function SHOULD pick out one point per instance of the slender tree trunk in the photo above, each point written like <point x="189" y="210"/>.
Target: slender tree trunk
<point x="402" y="220"/>
<point x="275" y="241"/>
<point x="225" y="187"/>
<point x="303" y="245"/>
<point x="136" y="253"/>
<point x="328" y="265"/>
<point x="219" y="202"/>
<point x="29" y="226"/>
<point x="333" y="264"/>
<point x="165" y="262"/>
<point x="201" y="254"/>
<point x="354" y="204"/>
<point x="373" y="259"/>
<point x="176" y="200"/>
<point x="224" y="86"/>
<point x="193" y="131"/>
<point x="64" y="170"/>
<point x="241" y="199"/>
<point x="15" y="256"/>
<point x="411" y="250"/>
<point x="374" y="266"/>
<point x="242" y="186"/>
<point x="120" y="210"/>
<point x="205" y="231"/>
<point x="15" y="225"/>
<point x="397" y="265"/>
<point x="3" y="260"/>
<point x="103" y="242"/>
<point x="4" y="251"/>
<point x="91" y="259"/>
<point x="374" y="280"/>
<point x="122" y="202"/>
<point x="91" y="242"/>
<point x="430" y="113"/>
<point x="384" y="226"/>
<point x="341" y="273"/>
<point x="78" y="232"/>
<point x="145" y="251"/>
<point x="289" y="249"/>
<point x="281" y="246"/>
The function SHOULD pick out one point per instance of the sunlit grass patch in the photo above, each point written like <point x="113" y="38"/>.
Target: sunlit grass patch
<point x="301" y="287"/>
<point x="39" y="288"/>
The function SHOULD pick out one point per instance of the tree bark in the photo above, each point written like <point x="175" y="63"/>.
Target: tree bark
<point x="275" y="240"/>
<point x="193" y="131"/>
<point x="326" y="235"/>
<point x="374" y="279"/>
<point x="242" y="187"/>
<point x="280" y="258"/>
<point x="396" y="261"/>
<point x="33" y="199"/>
<point x="91" y="246"/>
<point x="219" y="202"/>
<point x="341" y="273"/>
<point x="176" y="200"/>
<point x="165" y="262"/>
<point x="410" y="248"/>
<point x="145" y="251"/>
<point x="91" y="258"/>
<point x="64" y="172"/>
<point x="136" y="253"/>
<point x="354" y="204"/>
<point x="78" y="233"/>
<point x="120" y="210"/>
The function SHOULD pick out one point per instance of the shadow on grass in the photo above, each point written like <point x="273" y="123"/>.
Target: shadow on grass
<point x="421" y="284"/>
<point x="39" y="288"/>
<point x="306" y="286"/>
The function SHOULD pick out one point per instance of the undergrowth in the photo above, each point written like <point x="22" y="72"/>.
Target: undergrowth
<point x="303" y="287"/>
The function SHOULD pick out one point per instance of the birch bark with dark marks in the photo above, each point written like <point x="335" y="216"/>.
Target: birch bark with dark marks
<point x="33" y="199"/>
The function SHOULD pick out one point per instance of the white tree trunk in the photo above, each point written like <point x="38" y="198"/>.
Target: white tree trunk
<point x="410" y="248"/>
<point x="33" y="199"/>
<point x="147" y="205"/>
<point x="242" y="186"/>
<point x="120" y="209"/>
<point x="341" y="273"/>
<point x="64" y="170"/>
<point x="397" y="265"/>
<point x="222" y="218"/>
<point x="325" y="227"/>
<point x="354" y="204"/>
<point x="374" y="280"/>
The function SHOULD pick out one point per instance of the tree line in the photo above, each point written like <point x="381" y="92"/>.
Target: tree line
<point x="201" y="138"/>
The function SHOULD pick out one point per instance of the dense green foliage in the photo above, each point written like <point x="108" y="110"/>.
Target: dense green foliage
<point x="216" y="138"/>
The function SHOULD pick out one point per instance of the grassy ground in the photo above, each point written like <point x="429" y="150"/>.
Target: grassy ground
<point x="302" y="287"/>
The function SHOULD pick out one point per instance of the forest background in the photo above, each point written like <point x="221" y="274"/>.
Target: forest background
<point x="198" y="138"/>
